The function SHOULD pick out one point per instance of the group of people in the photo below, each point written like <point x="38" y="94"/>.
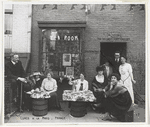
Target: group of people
<point x="15" y="73"/>
<point x="112" y="86"/>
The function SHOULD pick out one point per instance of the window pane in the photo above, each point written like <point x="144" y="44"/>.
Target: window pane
<point x="8" y="23"/>
<point x="59" y="42"/>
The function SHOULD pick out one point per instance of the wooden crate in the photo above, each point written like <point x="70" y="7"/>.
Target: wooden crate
<point x="135" y="114"/>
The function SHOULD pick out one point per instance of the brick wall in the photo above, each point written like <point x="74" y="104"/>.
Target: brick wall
<point x="128" y="24"/>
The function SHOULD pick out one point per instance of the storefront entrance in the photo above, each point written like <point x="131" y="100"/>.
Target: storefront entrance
<point x="107" y="50"/>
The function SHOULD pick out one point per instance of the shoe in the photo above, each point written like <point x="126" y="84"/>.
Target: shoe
<point x="107" y="118"/>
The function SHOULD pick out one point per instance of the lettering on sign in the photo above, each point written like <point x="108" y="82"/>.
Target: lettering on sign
<point x="71" y="38"/>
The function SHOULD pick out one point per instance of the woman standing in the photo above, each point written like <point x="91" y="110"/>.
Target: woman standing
<point x="125" y="70"/>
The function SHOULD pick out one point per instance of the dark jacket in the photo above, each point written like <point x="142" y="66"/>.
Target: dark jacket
<point x="115" y="66"/>
<point x="14" y="71"/>
<point x="115" y="90"/>
<point x="97" y="84"/>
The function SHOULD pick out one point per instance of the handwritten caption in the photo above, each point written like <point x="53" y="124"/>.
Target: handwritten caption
<point x="41" y="118"/>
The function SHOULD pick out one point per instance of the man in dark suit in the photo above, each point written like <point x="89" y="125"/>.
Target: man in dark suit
<point x="15" y="74"/>
<point x="116" y="62"/>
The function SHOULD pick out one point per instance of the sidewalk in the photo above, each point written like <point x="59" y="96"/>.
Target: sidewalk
<point x="60" y="117"/>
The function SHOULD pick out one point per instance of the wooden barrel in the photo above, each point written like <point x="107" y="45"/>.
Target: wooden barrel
<point x="39" y="106"/>
<point x="78" y="109"/>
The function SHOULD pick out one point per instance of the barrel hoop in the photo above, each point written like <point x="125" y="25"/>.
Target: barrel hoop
<point x="39" y="107"/>
<point x="39" y="102"/>
<point x="40" y="113"/>
<point x="78" y="114"/>
<point x="46" y="109"/>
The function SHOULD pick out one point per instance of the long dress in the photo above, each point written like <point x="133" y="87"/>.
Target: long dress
<point x="125" y="71"/>
<point x="117" y="102"/>
<point x="96" y="84"/>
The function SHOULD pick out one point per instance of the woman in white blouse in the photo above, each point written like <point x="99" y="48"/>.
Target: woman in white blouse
<point x="49" y="85"/>
<point x="80" y="84"/>
<point x="125" y="70"/>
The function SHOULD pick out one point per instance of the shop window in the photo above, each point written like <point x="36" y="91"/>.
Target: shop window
<point x="61" y="51"/>
<point x="8" y="23"/>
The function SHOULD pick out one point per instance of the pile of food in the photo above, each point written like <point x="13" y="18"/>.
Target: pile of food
<point x="38" y="93"/>
<point x="70" y="95"/>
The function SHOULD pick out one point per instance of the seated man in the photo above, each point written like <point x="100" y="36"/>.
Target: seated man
<point x="49" y="85"/>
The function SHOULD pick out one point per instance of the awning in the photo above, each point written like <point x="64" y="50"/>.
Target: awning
<point x="61" y="24"/>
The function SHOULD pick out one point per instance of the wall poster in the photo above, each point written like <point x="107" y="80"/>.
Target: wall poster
<point x="66" y="59"/>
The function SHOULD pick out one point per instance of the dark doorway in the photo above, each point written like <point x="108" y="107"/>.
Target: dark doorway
<point x="108" y="49"/>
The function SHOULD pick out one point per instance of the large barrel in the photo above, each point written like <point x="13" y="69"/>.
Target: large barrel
<point x="78" y="109"/>
<point x="39" y="106"/>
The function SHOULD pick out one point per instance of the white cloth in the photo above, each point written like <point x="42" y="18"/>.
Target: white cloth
<point x="100" y="79"/>
<point x="13" y="62"/>
<point x="125" y="71"/>
<point x="49" y="85"/>
<point x="85" y="85"/>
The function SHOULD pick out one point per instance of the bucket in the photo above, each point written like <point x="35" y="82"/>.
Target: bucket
<point x="78" y="109"/>
<point x="39" y="106"/>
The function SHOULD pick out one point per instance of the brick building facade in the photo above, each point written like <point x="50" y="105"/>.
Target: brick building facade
<point x="102" y="28"/>
<point x="117" y="27"/>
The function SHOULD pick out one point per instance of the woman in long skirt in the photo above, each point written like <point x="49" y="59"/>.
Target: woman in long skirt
<point x="116" y="99"/>
<point x="99" y="82"/>
<point x="125" y="70"/>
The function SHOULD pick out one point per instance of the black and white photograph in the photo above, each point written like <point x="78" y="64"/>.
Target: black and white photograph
<point x="68" y="63"/>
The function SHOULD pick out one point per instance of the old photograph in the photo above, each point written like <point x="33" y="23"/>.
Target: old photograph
<point x="74" y="63"/>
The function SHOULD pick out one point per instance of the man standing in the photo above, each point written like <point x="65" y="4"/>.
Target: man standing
<point x="116" y="62"/>
<point x="15" y="73"/>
